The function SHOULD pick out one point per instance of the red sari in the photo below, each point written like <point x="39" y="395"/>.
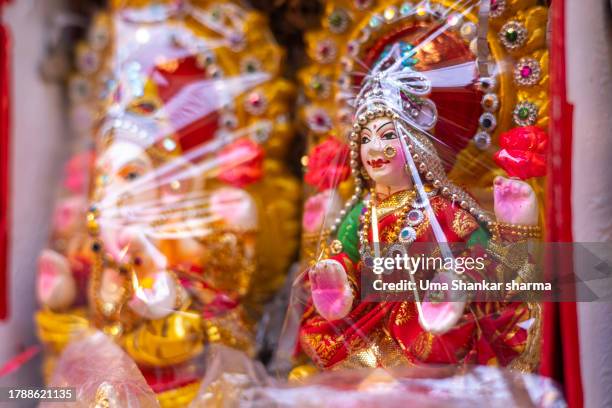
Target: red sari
<point x="387" y="334"/>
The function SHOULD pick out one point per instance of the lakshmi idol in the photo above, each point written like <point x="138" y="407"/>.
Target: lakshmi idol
<point x="404" y="198"/>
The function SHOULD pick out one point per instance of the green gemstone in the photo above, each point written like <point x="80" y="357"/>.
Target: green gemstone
<point x="511" y="35"/>
<point x="523" y="113"/>
<point x="335" y="20"/>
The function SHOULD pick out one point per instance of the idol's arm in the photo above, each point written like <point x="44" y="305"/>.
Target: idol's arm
<point x="332" y="280"/>
<point x="516" y="212"/>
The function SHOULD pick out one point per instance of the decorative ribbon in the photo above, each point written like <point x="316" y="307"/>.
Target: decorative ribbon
<point x="395" y="84"/>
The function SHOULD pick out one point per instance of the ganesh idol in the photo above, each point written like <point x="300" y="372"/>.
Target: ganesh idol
<point x="188" y="194"/>
<point x="404" y="199"/>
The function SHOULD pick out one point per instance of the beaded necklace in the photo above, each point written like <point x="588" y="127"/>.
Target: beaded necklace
<point x="410" y="216"/>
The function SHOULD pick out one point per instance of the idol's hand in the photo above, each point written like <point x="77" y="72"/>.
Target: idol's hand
<point x="331" y="292"/>
<point x="515" y="202"/>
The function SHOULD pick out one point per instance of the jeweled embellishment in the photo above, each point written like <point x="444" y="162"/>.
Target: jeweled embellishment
<point x="326" y="51"/>
<point x="262" y="133"/>
<point x="318" y="120"/>
<point x="422" y="12"/>
<point x="419" y="203"/>
<point x="363" y="4"/>
<point x="214" y="71"/>
<point x="405" y="9"/>
<point x="407" y="235"/>
<point x="487" y="121"/>
<point x="482" y="140"/>
<point x="79" y="89"/>
<point x="468" y="31"/>
<point x="513" y="35"/>
<point x="389" y="14"/>
<point x="487" y="84"/>
<point x="414" y="217"/>
<point x="527" y="72"/>
<point x="353" y="48"/>
<point x="375" y="22"/>
<point x="525" y="113"/>
<point x="99" y="37"/>
<point x="453" y="20"/>
<point x="335" y="247"/>
<point x="251" y="65"/>
<point x="88" y="61"/>
<point x="498" y="7"/>
<point x="490" y="102"/>
<point x="169" y="144"/>
<point x="256" y="103"/>
<point x="344" y="82"/>
<point x="338" y="21"/>
<point x="320" y="86"/>
<point x="229" y="120"/>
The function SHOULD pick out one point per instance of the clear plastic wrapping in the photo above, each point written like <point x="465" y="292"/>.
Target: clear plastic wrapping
<point x="425" y="171"/>
<point x="237" y="381"/>
<point x="186" y="216"/>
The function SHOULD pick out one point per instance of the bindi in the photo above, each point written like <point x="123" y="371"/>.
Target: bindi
<point x="376" y="126"/>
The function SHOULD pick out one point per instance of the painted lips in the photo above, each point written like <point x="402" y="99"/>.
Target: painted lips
<point x="377" y="163"/>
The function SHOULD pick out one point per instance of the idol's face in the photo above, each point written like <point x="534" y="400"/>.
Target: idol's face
<point x="123" y="165"/>
<point x="124" y="191"/>
<point x="381" y="153"/>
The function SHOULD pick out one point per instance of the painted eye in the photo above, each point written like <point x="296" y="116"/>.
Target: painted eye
<point x="131" y="172"/>
<point x="389" y="135"/>
<point x="365" y="139"/>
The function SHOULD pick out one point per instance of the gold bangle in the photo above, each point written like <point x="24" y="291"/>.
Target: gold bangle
<point x="515" y="230"/>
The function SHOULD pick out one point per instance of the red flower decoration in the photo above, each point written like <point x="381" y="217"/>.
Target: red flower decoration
<point x="328" y="164"/>
<point x="523" y="152"/>
<point x="241" y="163"/>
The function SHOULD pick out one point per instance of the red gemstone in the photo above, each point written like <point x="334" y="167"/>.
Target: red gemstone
<point x="526" y="71"/>
<point x="324" y="50"/>
<point x="320" y="120"/>
<point x="255" y="100"/>
<point x="494" y="5"/>
<point x="414" y="215"/>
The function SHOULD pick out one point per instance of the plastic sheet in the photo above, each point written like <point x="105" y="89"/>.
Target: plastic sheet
<point x="181" y="218"/>
<point x="234" y="380"/>
<point x="424" y="173"/>
<point x="101" y="374"/>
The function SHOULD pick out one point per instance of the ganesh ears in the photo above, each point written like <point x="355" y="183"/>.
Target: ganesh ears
<point x="55" y="286"/>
